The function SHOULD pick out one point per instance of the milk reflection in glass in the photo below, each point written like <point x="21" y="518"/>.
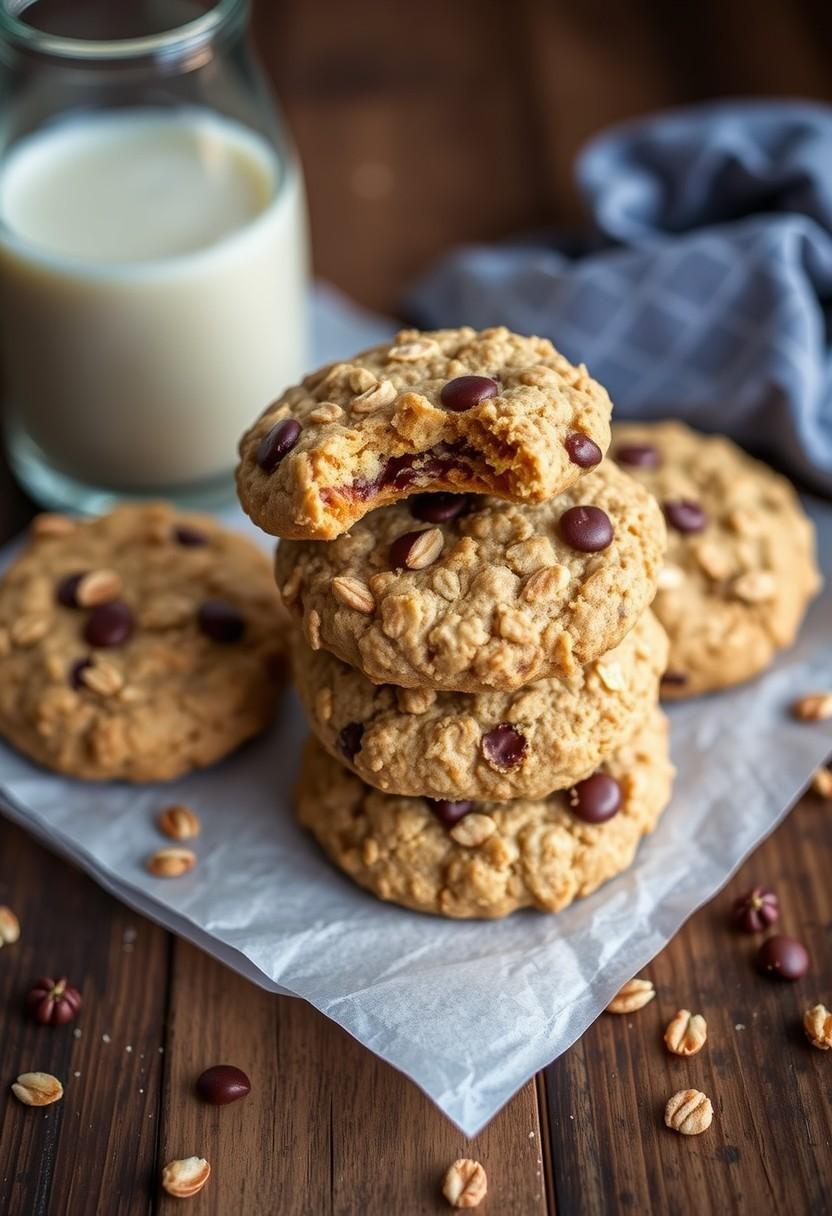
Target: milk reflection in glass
<point x="152" y="270"/>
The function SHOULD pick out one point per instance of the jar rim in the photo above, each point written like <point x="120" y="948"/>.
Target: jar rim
<point x="182" y="38"/>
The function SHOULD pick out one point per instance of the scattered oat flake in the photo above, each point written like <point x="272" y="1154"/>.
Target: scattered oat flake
<point x="128" y="1047"/>
<point x="105" y="1038"/>
<point x="76" y="1074"/>
<point x="76" y="1034"/>
<point x="739" y="1026"/>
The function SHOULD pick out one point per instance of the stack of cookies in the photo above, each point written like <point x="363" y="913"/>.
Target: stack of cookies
<point x="479" y="664"/>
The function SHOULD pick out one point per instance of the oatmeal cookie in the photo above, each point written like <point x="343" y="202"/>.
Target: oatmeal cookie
<point x="453" y="410"/>
<point x="493" y="596"/>
<point x="740" y="566"/>
<point x="490" y="745"/>
<point x="137" y="646"/>
<point x="488" y="859"/>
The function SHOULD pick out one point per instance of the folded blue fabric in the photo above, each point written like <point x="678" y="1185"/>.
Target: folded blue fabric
<point x="705" y="292"/>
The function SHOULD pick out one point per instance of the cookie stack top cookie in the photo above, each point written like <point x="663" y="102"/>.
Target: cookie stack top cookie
<point x="455" y="410"/>
<point x="472" y="580"/>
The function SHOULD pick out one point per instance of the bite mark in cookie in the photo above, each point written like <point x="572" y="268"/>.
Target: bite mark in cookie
<point x="448" y="411"/>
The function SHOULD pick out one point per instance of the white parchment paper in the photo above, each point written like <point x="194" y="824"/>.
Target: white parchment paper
<point x="469" y="1011"/>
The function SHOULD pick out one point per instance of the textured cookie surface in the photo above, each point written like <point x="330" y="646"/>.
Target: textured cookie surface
<point x="137" y="646"/>
<point x="741" y="563"/>
<point x="397" y="419"/>
<point x="499" y="856"/>
<point x="490" y="745"/>
<point x="494" y="598"/>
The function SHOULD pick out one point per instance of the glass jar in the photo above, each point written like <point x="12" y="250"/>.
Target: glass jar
<point x="153" y="248"/>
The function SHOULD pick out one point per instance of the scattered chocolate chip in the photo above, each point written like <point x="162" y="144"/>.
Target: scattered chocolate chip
<point x="439" y="508"/>
<point x="596" y="799"/>
<point x="674" y="679"/>
<point x="349" y="739"/>
<point x="587" y="529"/>
<point x="66" y="592"/>
<point x="504" y="747"/>
<point x="785" y="957"/>
<point x="53" y="1002"/>
<point x="684" y="515"/>
<point x="277" y="443"/>
<point x="223" y="1083"/>
<point x="637" y="455"/>
<point x="756" y="910"/>
<point x="582" y="451"/>
<point x="221" y="621"/>
<point x="191" y="538"/>
<point x="75" y="672"/>
<point x="449" y="813"/>
<point x="465" y="392"/>
<point x="109" y="625"/>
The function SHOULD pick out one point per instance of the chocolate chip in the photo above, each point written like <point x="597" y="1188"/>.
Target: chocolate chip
<point x="582" y="451"/>
<point x="756" y="910"/>
<point x="191" y="538"/>
<point x="277" y="443"/>
<point x="674" y="679"/>
<point x="66" y="592"/>
<point x="685" y="515"/>
<point x="223" y="1083"/>
<point x="587" y="529"/>
<point x="75" y="672"/>
<point x="465" y="392"/>
<point x="349" y="739"/>
<point x="504" y="747"/>
<point x="449" y="813"/>
<point x="439" y="508"/>
<point x="221" y="621"/>
<point x="638" y="455"/>
<point x="785" y="957"/>
<point x="596" y="799"/>
<point x="109" y="625"/>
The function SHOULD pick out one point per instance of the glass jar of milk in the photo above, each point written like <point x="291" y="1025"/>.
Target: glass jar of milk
<point x="153" y="250"/>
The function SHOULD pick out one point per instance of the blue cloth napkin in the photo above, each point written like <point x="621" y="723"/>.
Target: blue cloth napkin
<point x="705" y="291"/>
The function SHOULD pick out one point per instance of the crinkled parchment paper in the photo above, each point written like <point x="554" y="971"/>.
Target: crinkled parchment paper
<point x="469" y="1011"/>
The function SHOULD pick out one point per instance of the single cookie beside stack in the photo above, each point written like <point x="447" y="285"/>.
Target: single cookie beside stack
<point x="480" y="667"/>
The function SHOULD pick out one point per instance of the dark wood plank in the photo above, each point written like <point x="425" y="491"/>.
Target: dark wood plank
<point x="94" y="1151"/>
<point x="327" y="1126"/>
<point x="768" y="1147"/>
<point x="414" y="130"/>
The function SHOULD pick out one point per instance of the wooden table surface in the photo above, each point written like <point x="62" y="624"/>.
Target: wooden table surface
<point x="419" y="127"/>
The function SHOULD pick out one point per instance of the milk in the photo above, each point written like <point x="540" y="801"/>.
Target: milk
<point x="152" y="269"/>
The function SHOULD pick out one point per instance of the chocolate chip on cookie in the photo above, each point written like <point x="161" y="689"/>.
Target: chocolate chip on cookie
<point x="449" y="813"/>
<point x="504" y="747"/>
<point x="109" y="625"/>
<point x="66" y="591"/>
<point x="349" y="739"/>
<point x="439" y="508"/>
<point x="685" y="515"/>
<point x="465" y="392"/>
<point x="221" y="621"/>
<point x="587" y="529"/>
<point x="637" y="455"/>
<point x="596" y="799"/>
<point x="583" y="451"/>
<point x="277" y="443"/>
